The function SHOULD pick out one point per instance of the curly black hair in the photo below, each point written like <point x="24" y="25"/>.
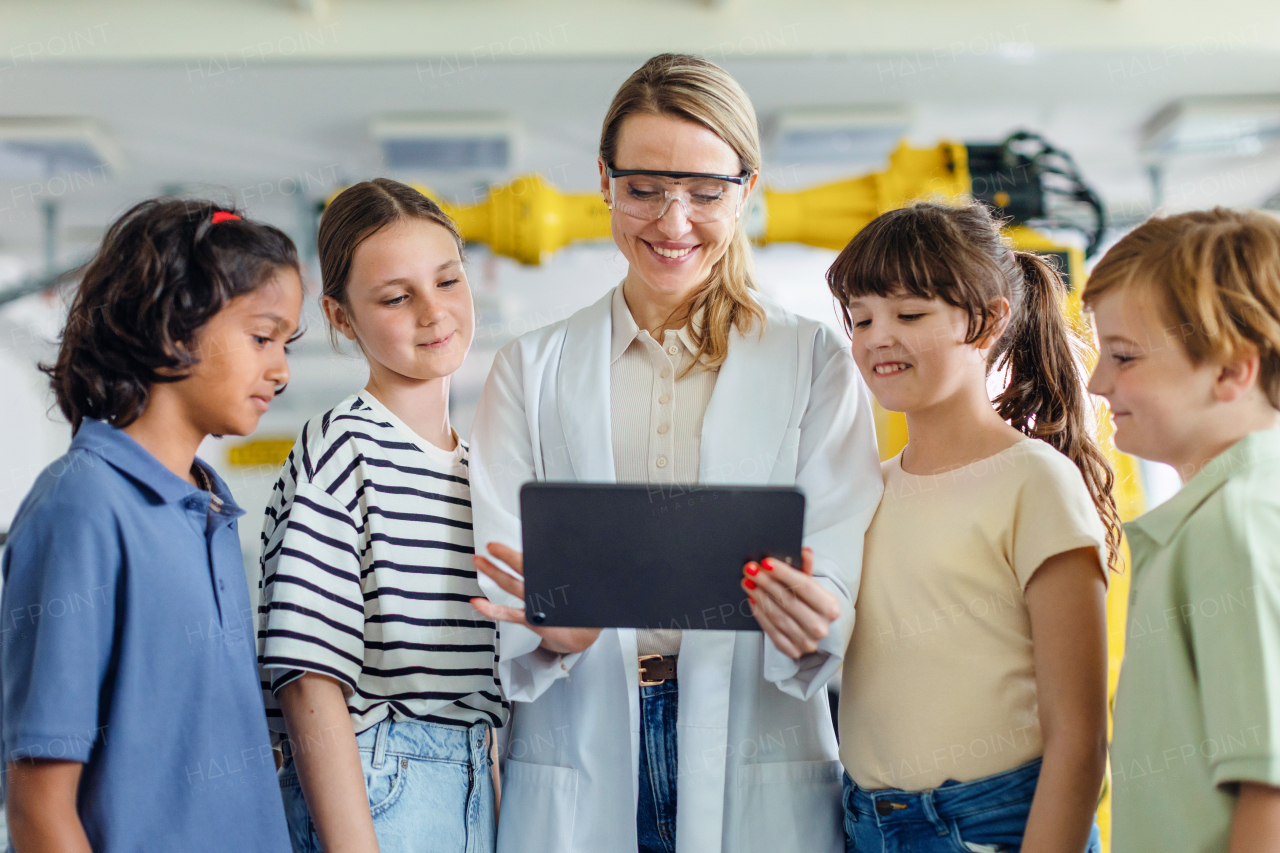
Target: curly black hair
<point x="164" y="270"/>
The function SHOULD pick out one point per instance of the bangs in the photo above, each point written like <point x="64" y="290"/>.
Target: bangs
<point x="879" y="263"/>
<point x="917" y="251"/>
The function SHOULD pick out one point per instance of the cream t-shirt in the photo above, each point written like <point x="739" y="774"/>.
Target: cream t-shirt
<point x="939" y="680"/>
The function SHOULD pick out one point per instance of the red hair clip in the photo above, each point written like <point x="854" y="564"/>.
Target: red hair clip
<point x="223" y="216"/>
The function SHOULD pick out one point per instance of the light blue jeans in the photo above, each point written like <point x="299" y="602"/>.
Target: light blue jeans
<point x="430" y="789"/>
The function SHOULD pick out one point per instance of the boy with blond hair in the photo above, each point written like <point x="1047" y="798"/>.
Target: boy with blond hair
<point x="1187" y="313"/>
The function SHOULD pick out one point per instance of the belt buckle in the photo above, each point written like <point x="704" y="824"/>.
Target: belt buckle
<point x="641" y="661"/>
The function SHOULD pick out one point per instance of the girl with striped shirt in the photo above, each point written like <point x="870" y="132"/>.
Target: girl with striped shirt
<point x="377" y="671"/>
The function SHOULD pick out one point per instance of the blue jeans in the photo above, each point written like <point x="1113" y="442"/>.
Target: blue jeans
<point x="987" y="815"/>
<point x="656" y="811"/>
<point x="430" y="789"/>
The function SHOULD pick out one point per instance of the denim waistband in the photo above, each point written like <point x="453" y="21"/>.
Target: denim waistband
<point x="951" y="800"/>
<point x="417" y="739"/>
<point x="665" y="688"/>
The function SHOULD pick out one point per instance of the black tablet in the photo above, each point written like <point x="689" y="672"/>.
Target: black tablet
<point x="602" y="555"/>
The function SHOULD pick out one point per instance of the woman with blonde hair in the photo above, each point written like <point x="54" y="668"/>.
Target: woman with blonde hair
<point x="683" y="374"/>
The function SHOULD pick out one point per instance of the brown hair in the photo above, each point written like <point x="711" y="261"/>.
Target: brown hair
<point x="957" y="254"/>
<point x="162" y="272"/>
<point x="359" y="212"/>
<point x="697" y="90"/>
<point x="1217" y="277"/>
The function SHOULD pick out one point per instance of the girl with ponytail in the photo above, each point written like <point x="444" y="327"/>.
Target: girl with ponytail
<point x="973" y="704"/>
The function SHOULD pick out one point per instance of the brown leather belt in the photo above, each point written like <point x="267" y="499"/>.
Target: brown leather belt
<point x="656" y="669"/>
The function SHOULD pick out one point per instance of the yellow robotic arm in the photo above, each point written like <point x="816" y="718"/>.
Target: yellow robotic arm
<point x="829" y="215"/>
<point x="527" y="219"/>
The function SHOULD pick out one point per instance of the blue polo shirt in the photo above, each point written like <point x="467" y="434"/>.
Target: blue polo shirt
<point x="127" y="644"/>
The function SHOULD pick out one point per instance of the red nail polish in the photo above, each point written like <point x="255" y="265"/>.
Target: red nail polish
<point x="749" y="583"/>
<point x="765" y="564"/>
<point x="752" y="600"/>
<point x="752" y="569"/>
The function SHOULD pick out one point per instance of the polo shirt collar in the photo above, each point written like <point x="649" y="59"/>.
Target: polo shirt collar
<point x="625" y="329"/>
<point x="123" y="453"/>
<point x="1163" y="522"/>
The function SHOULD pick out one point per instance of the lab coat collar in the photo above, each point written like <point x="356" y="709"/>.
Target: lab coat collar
<point x="583" y="392"/>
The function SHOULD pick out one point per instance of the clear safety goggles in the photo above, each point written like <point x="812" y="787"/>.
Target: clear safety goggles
<point x="646" y="195"/>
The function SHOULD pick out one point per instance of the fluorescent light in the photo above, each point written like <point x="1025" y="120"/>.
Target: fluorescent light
<point x="39" y="147"/>
<point x="1213" y="127"/>
<point x="447" y="142"/>
<point x="837" y="135"/>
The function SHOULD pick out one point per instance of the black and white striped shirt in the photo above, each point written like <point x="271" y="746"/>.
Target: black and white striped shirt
<point x="367" y="575"/>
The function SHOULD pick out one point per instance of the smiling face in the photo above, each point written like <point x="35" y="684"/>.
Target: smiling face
<point x="242" y="358"/>
<point x="912" y="352"/>
<point x="1162" y="403"/>
<point x="671" y="256"/>
<point x="407" y="304"/>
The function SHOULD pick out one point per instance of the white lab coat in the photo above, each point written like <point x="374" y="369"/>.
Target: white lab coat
<point x="758" y="761"/>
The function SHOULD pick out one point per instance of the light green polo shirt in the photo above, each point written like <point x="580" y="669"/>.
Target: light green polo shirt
<point x="1198" y="705"/>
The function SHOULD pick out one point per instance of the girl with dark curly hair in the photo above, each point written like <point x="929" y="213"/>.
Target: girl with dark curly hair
<point x="127" y="659"/>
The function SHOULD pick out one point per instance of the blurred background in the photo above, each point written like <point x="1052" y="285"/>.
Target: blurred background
<point x="273" y="105"/>
<point x="1124" y="108"/>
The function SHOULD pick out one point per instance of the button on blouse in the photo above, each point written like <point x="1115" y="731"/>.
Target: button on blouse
<point x="656" y="411"/>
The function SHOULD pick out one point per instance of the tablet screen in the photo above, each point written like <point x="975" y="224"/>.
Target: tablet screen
<point x="651" y="556"/>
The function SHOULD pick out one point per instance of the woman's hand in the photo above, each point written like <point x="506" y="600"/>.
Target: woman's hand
<point x="793" y="609"/>
<point x="562" y="641"/>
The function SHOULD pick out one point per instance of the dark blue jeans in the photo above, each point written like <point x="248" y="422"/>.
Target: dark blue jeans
<point x="656" y="811"/>
<point x="987" y="815"/>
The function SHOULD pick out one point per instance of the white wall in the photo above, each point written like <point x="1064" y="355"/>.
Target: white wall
<point x="32" y="431"/>
<point x="472" y="34"/>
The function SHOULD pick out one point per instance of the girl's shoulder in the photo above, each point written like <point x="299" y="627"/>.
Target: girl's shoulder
<point x="1028" y="460"/>
<point x="335" y="437"/>
<point x="1038" y="460"/>
<point x="1032" y="471"/>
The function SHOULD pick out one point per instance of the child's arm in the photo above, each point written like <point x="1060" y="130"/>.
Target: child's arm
<point x="328" y="762"/>
<point x="1255" y="824"/>
<point x="41" y="806"/>
<point x="1067" y="601"/>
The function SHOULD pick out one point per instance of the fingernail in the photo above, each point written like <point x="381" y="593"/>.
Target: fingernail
<point x="752" y="600"/>
<point x="749" y="583"/>
<point x="752" y="569"/>
<point x="765" y="564"/>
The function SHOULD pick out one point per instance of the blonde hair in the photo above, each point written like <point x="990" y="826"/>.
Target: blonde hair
<point x="693" y="89"/>
<point x="1216" y="274"/>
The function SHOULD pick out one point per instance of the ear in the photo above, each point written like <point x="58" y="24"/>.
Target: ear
<point x="1001" y="324"/>
<point x="604" y="182"/>
<point x="1237" y="377"/>
<point x="337" y="317"/>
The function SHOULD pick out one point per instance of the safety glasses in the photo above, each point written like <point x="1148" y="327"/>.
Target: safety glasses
<point x="646" y="195"/>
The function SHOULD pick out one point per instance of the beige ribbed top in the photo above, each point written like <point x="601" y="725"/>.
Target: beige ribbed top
<point x="656" y="415"/>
